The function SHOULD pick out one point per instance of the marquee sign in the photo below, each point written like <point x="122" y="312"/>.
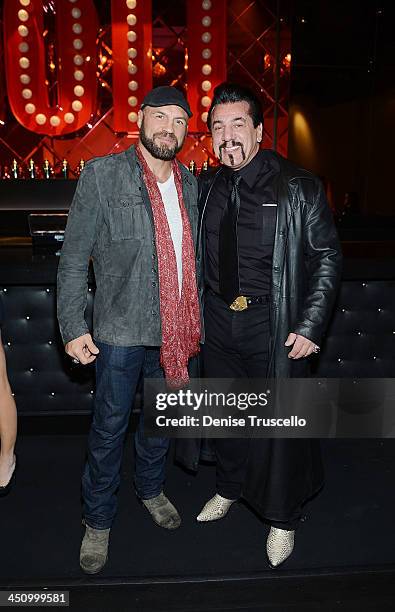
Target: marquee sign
<point x="56" y="94"/>
<point x="28" y="70"/>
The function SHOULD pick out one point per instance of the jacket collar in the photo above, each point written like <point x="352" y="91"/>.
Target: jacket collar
<point x="135" y="168"/>
<point x="138" y="182"/>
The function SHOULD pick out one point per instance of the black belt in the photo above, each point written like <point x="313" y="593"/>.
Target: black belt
<point x="242" y="302"/>
<point x="257" y="299"/>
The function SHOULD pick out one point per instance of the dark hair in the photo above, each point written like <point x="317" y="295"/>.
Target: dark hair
<point x="228" y="93"/>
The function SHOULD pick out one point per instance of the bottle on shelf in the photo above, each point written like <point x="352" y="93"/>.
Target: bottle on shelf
<point x="80" y="167"/>
<point x="205" y="166"/>
<point x="6" y="173"/>
<point x="47" y="170"/>
<point x="15" y="170"/>
<point x="65" y="169"/>
<point x="192" y="167"/>
<point x="32" y="169"/>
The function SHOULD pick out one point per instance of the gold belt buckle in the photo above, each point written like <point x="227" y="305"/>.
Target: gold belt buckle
<point x="240" y="303"/>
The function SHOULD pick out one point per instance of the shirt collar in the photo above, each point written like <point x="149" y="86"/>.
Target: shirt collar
<point x="250" y="173"/>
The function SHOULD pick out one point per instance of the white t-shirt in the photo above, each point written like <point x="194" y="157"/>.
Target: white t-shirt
<point x="172" y="208"/>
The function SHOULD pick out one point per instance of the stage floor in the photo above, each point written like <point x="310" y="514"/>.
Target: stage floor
<point x="348" y="530"/>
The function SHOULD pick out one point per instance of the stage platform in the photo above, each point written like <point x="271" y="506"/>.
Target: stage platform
<point x="344" y="556"/>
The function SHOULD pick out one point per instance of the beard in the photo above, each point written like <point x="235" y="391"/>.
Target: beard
<point x="163" y="151"/>
<point x="231" y="156"/>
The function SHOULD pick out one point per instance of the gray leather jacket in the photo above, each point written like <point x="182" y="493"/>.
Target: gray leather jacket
<point x="110" y="220"/>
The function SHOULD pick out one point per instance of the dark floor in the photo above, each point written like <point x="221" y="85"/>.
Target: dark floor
<point x="348" y="537"/>
<point x="367" y="592"/>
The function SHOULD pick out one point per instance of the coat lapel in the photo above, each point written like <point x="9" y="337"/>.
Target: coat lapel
<point x="189" y="194"/>
<point x="286" y="192"/>
<point x="136" y="179"/>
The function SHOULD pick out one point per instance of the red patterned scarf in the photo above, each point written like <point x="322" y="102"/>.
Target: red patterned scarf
<point x="180" y="316"/>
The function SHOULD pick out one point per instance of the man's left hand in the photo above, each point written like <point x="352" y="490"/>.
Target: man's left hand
<point x="302" y="347"/>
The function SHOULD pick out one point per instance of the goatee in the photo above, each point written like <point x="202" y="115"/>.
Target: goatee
<point x="232" y="143"/>
<point x="163" y="152"/>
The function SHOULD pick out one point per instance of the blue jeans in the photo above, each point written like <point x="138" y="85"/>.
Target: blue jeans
<point x="118" y="369"/>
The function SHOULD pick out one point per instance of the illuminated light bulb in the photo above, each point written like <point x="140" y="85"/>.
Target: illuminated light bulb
<point x="132" y="36"/>
<point x="206" y="53"/>
<point x="133" y="85"/>
<point x="131" y="4"/>
<point x="54" y="121"/>
<point x="206" y="101"/>
<point x="132" y="69"/>
<point x="69" y="117"/>
<point x="79" y="75"/>
<point x="206" y="37"/>
<point x="78" y="60"/>
<point x="24" y="62"/>
<point x="76" y="13"/>
<point x="206" y="85"/>
<point x="131" y="19"/>
<point x="23" y="15"/>
<point x="132" y="117"/>
<point x="41" y="119"/>
<point x="206" y="21"/>
<point x="25" y="79"/>
<point x="206" y="69"/>
<point x="24" y="2"/>
<point x="79" y="91"/>
<point x="23" y="47"/>
<point x="77" y="43"/>
<point x="77" y="28"/>
<point x="132" y="53"/>
<point x="204" y="116"/>
<point x="206" y="5"/>
<point x="76" y="106"/>
<point x="30" y="108"/>
<point x="23" y="30"/>
<point x="132" y="101"/>
<point x="27" y="93"/>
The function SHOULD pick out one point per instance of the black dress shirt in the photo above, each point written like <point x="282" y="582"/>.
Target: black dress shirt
<point x="255" y="228"/>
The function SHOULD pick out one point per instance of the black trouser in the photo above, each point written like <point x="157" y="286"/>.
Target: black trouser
<point x="236" y="346"/>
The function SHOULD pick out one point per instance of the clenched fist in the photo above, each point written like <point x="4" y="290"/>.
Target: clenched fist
<point x="82" y="349"/>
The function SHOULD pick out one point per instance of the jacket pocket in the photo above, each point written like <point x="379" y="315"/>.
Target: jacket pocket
<point x="127" y="217"/>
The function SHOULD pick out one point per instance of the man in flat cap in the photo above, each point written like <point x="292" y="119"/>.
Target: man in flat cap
<point x="135" y="214"/>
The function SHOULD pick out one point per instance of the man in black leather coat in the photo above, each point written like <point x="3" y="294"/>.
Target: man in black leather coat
<point x="272" y="263"/>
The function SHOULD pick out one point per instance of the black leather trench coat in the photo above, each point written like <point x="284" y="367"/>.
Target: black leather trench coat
<point x="282" y="474"/>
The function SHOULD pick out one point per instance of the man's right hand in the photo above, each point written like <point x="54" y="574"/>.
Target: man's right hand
<point x="83" y="349"/>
